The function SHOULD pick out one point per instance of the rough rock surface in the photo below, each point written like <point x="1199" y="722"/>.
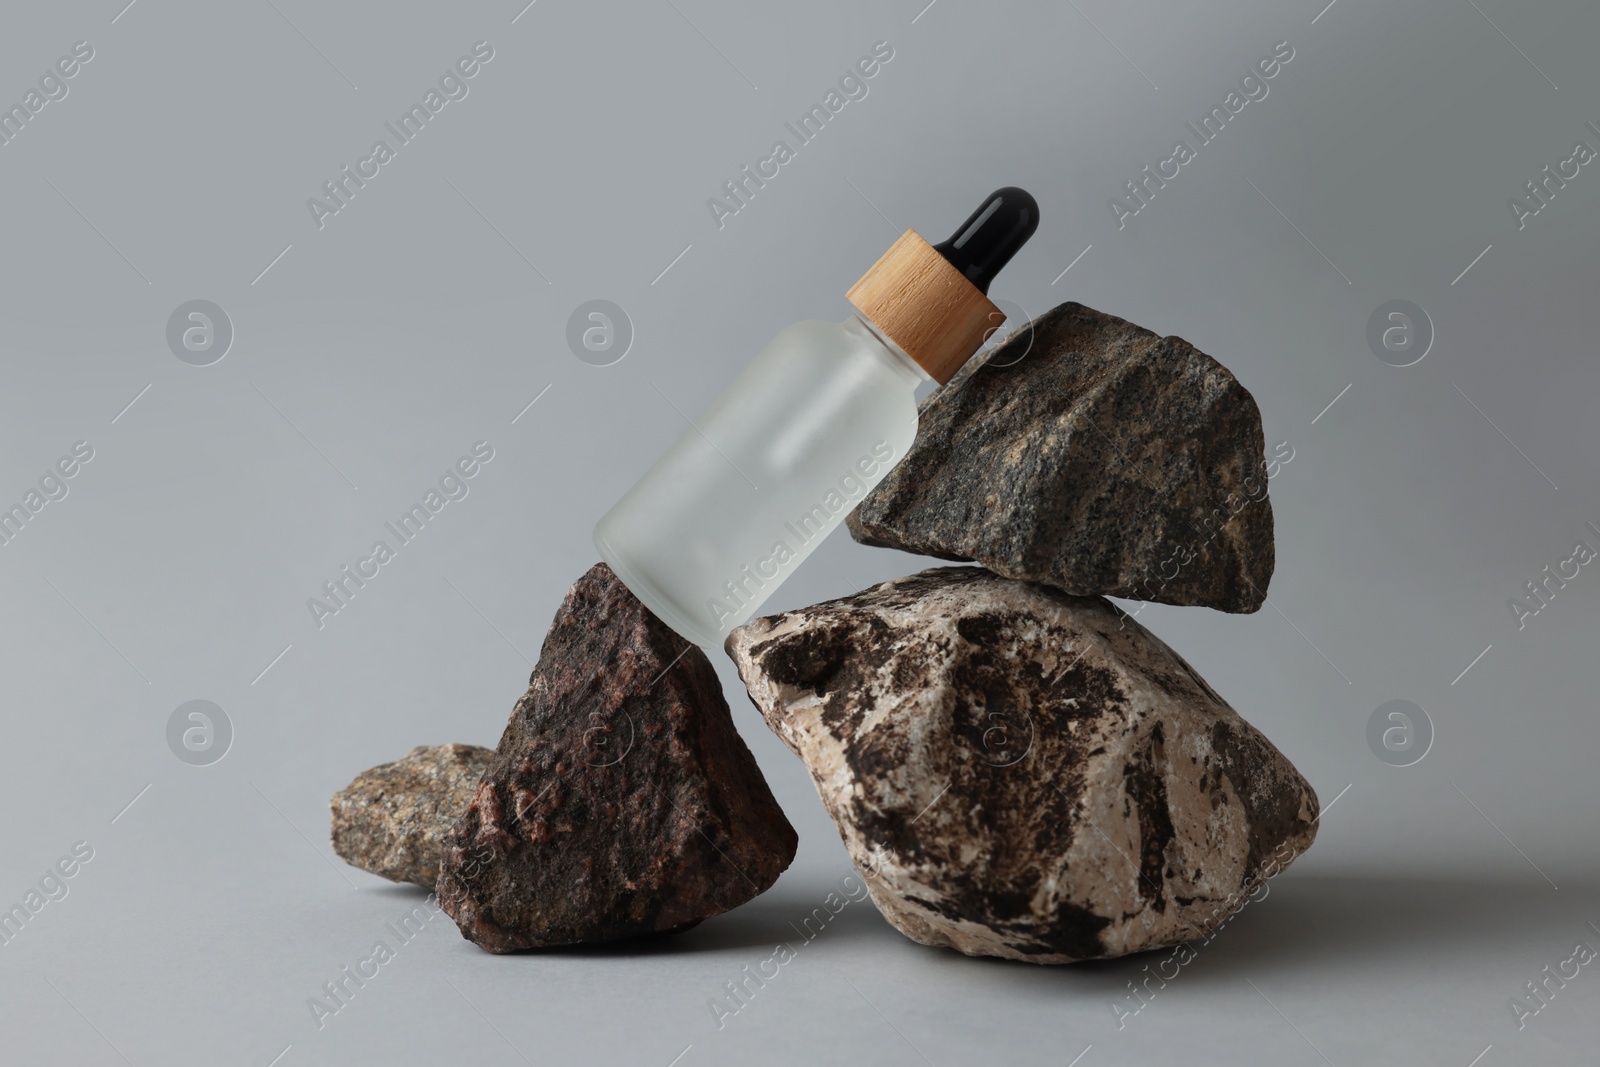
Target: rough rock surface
<point x="1023" y="773"/>
<point x="1094" y="456"/>
<point x="621" y="801"/>
<point x="392" y="820"/>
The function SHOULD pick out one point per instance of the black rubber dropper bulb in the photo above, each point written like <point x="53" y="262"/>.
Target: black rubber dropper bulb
<point x="985" y="243"/>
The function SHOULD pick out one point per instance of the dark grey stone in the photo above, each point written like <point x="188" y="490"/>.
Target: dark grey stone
<point x="1104" y="461"/>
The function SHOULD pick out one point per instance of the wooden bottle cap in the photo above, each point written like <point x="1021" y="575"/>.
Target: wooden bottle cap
<point x="926" y="306"/>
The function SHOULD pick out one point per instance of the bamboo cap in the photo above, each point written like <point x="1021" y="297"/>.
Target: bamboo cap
<point x="922" y="303"/>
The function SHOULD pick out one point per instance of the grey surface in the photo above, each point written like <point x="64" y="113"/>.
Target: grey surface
<point x="376" y="350"/>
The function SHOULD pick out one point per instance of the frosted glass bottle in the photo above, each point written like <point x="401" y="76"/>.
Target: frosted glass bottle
<point x="746" y="494"/>
<point x="816" y="421"/>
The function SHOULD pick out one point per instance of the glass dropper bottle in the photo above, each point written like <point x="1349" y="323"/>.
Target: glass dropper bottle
<point x="807" y="430"/>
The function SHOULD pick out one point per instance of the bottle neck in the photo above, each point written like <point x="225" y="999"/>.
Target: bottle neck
<point x="894" y="355"/>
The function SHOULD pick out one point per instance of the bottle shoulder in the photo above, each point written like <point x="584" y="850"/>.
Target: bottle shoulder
<point x="813" y="331"/>
<point x="849" y="342"/>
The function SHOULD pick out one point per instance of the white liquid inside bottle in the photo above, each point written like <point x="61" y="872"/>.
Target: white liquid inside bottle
<point x="764" y="475"/>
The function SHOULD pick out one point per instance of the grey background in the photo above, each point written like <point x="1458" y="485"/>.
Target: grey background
<point x="427" y="314"/>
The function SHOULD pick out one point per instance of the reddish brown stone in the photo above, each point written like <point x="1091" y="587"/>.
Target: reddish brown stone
<point x="621" y="801"/>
